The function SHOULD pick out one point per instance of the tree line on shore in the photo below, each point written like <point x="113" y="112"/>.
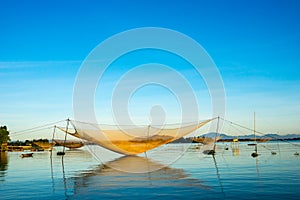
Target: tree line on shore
<point x="27" y="142"/>
<point x="4" y="136"/>
<point x="6" y="141"/>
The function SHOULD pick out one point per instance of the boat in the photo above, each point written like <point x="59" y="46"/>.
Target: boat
<point x="254" y="154"/>
<point x="213" y="151"/>
<point x="26" y="155"/>
<point x="60" y="153"/>
<point x="235" y="140"/>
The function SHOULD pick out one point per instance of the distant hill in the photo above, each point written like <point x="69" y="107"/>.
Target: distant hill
<point x="250" y="137"/>
<point x="270" y="135"/>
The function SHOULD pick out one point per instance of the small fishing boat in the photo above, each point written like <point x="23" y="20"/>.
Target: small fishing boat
<point x="254" y="154"/>
<point x="60" y="153"/>
<point x="26" y="155"/>
<point x="213" y="151"/>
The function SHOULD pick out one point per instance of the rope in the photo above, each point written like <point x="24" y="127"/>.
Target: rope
<point x="186" y="123"/>
<point x="260" y="132"/>
<point x="32" y="131"/>
<point x="37" y="127"/>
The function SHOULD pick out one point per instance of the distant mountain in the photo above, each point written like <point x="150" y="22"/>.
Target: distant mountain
<point x="270" y="135"/>
<point x="288" y="136"/>
<point x="250" y="137"/>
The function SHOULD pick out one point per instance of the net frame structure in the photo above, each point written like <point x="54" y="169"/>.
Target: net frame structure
<point x="132" y="140"/>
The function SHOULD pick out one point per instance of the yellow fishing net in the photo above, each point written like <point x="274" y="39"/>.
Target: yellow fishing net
<point x="132" y="140"/>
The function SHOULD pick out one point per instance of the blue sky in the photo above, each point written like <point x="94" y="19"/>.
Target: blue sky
<point x="255" y="45"/>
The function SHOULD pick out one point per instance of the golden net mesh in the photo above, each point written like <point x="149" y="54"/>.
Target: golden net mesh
<point x="132" y="140"/>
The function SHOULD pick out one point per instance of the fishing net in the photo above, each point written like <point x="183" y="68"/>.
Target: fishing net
<point x="132" y="140"/>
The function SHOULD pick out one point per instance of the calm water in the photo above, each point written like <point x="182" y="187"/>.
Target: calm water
<point x="228" y="175"/>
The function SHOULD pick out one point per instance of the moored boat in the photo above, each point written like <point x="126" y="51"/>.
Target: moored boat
<point x="26" y="155"/>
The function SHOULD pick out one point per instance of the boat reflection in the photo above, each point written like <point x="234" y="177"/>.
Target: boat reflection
<point x="3" y="165"/>
<point x="134" y="172"/>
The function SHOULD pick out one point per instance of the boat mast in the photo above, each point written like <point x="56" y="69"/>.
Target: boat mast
<point x="255" y="135"/>
<point x="254" y="154"/>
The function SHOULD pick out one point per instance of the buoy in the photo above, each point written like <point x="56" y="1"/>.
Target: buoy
<point x="254" y="154"/>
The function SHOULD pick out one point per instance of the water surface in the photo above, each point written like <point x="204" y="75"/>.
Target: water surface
<point x="227" y="175"/>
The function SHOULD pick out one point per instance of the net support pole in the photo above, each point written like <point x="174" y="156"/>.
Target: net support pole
<point x="217" y="132"/>
<point x="68" y="121"/>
